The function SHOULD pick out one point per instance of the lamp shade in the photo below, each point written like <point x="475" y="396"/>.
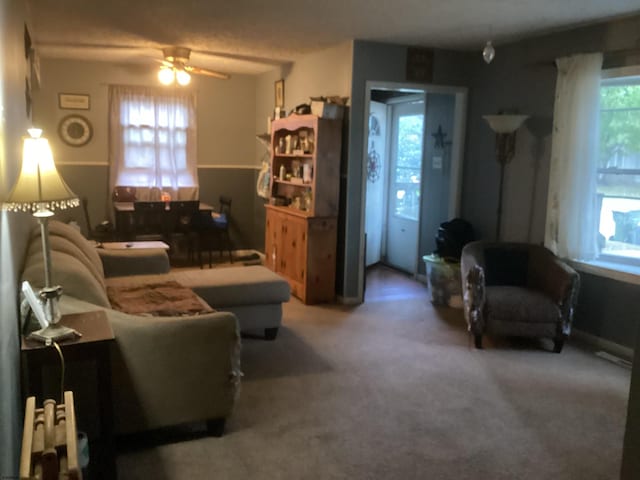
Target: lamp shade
<point x="505" y="123"/>
<point x="39" y="186"/>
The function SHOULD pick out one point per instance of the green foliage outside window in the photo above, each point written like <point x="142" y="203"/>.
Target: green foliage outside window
<point x="619" y="140"/>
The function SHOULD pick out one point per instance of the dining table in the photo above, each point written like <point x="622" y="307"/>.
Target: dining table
<point x="124" y="219"/>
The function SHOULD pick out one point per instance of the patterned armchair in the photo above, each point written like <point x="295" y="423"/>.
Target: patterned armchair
<point x="517" y="289"/>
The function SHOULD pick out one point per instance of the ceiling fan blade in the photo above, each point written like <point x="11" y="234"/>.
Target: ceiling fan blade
<point x="204" y="71"/>
<point x="164" y="62"/>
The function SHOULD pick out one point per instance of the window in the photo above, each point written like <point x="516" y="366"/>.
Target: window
<point x="153" y="138"/>
<point x="618" y="169"/>
<point x="408" y="165"/>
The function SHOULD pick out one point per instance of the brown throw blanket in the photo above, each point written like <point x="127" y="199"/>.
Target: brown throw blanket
<point x="157" y="299"/>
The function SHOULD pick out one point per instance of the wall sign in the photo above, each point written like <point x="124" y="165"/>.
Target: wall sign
<point x="419" y="65"/>
<point x="73" y="101"/>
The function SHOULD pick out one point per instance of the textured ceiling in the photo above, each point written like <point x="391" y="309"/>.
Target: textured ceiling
<point x="251" y="36"/>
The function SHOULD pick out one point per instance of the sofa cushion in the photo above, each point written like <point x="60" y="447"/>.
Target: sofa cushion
<point x="73" y="235"/>
<point x="505" y="266"/>
<point x="222" y="287"/>
<point x="134" y="261"/>
<point x="161" y="299"/>
<point x="64" y="245"/>
<point x="68" y="272"/>
<point x="527" y="305"/>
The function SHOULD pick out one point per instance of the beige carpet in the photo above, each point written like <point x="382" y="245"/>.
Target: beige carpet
<point x="392" y="389"/>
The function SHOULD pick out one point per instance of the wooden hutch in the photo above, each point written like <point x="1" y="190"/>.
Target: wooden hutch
<point x="301" y="223"/>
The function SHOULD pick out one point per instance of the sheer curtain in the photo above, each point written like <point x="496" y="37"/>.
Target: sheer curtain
<point x="152" y="139"/>
<point x="572" y="216"/>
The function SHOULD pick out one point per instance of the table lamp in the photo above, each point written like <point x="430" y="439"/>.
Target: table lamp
<point x="40" y="190"/>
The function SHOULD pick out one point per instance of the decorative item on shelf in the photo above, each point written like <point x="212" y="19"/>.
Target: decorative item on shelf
<point x="279" y="93"/>
<point x="488" y="53"/>
<point x="505" y="127"/>
<point x="306" y="173"/>
<point x="40" y="190"/>
<point x="302" y="109"/>
<point x="329" y="107"/>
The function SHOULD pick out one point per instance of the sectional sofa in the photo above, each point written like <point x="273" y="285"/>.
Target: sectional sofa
<point x="166" y="370"/>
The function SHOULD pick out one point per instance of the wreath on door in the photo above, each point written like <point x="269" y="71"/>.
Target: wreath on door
<point x="373" y="164"/>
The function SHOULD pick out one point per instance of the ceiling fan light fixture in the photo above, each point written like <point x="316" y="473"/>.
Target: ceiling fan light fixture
<point x="183" y="78"/>
<point x="166" y="75"/>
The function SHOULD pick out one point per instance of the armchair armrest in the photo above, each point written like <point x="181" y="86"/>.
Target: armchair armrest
<point x="549" y="274"/>
<point x="473" y="286"/>
<point x="120" y="263"/>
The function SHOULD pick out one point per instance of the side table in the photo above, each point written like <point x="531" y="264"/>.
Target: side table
<point x="93" y="345"/>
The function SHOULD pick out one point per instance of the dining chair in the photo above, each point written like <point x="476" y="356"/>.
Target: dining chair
<point x="182" y="217"/>
<point x="150" y="221"/>
<point x="213" y="230"/>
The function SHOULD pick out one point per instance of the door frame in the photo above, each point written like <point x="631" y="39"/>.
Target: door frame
<point x="457" y="150"/>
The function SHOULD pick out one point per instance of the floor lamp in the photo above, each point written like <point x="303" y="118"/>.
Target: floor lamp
<point x="505" y="127"/>
<point x="40" y="190"/>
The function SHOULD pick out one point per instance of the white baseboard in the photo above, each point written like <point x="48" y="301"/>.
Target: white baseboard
<point x="608" y="346"/>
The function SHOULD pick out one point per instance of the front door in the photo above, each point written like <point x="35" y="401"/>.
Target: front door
<point x="403" y="215"/>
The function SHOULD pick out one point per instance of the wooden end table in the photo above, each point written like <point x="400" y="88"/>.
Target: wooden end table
<point x="97" y="337"/>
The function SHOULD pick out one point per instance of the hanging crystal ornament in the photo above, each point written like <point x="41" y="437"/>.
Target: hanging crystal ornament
<point x="489" y="52"/>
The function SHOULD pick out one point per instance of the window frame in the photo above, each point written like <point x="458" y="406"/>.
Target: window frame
<point x="616" y="267"/>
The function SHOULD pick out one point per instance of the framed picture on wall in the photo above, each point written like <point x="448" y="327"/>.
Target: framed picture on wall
<point x="73" y="101"/>
<point x="279" y="92"/>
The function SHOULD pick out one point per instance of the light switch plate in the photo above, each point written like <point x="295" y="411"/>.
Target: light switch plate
<point x="437" y="163"/>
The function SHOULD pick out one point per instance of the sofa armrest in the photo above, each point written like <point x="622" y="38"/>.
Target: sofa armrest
<point x="170" y="370"/>
<point x="120" y="263"/>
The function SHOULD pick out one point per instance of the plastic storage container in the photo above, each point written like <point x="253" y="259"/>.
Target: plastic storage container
<point x="444" y="281"/>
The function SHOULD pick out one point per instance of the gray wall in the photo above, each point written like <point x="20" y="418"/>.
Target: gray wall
<point x="13" y="227"/>
<point x="522" y="77"/>
<point x="323" y="73"/>
<point x="436" y="182"/>
<point x="385" y="63"/>
<point x="226" y="144"/>
<point x="631" y="449"/>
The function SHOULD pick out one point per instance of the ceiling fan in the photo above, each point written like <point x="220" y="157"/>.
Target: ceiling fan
<point x="175" y="67"/>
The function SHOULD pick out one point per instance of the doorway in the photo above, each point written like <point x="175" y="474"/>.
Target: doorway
<point x="413" y="164"/>
<point x="404" y="185"/>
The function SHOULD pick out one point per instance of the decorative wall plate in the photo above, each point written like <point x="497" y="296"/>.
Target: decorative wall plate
<point x="75" y="130"/>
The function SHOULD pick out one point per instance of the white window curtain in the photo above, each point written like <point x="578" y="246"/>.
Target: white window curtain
<point x="572" y="216"/>
<point x="152" y="139"/>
